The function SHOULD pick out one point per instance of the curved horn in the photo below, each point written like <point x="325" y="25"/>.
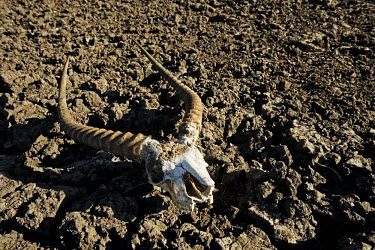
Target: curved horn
<point x="118" y="143"/>
<point x="192" y="122"/>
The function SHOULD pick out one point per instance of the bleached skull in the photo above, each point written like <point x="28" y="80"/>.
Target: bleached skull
<point x="184" y="177"/>
<point x="177" y="167"/>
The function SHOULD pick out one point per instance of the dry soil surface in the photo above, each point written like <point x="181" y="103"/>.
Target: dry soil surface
<point x="288" y="125"/>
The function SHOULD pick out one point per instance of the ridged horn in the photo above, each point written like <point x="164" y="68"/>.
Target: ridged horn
<point x="193" y="103"/>
<point x="118" y="143"/>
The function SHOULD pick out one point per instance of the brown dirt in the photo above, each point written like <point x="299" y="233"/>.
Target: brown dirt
<point x="288" y="127"/>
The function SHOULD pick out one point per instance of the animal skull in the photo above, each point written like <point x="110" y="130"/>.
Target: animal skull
<point x="177" y="167"/>
<point x="184" y="177"/>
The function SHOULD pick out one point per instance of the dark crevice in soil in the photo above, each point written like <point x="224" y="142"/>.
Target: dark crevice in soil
<point x="35" y="237"/>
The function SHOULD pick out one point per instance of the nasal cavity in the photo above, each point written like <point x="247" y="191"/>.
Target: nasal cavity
<point x="193" y="187"/>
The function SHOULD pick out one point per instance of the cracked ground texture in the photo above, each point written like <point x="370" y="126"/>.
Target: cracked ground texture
<point x="288" y="124"/>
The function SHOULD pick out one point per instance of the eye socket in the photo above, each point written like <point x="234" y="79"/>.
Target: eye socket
<point x="155" y="177"/>
<point x="154" y="170"/>
<point x="193" y="187"/>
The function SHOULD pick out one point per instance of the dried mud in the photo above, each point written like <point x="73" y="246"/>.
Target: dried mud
<point x="288" y="126"/>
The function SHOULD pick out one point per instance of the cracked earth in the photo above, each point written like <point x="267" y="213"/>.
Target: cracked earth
<point x="288" y="125"/>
